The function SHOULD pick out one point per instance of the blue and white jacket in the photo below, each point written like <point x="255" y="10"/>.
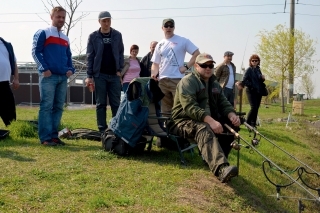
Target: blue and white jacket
<point x="51" y="51"/>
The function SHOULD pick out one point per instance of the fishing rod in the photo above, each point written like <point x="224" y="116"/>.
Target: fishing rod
<point x="293" y="157"/>
<point x="271" y="163"/>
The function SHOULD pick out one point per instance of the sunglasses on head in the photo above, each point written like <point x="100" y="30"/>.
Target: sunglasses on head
<point x="168" y="25"/>
<point x="254" y="60"/>
<point x="204" y="66"/>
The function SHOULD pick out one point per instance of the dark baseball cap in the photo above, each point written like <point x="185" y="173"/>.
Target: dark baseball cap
<point x="228" y="53"/>
<point x="167" y="20"/>
<point x="104" y="15"/>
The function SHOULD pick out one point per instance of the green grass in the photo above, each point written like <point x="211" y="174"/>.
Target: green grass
<point x="80" y="177"/>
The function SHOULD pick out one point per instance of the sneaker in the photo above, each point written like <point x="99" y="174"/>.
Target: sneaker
<point x="58" y="141"/>
<point x="227" y="172"/>
<point x="48" y="143"/>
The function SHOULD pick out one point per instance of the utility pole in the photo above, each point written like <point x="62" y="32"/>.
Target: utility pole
<point x="291" y="65"/>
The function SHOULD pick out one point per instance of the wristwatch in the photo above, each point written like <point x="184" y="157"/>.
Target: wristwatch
<point x="186" y="66"/>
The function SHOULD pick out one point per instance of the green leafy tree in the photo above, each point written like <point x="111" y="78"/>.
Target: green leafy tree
<point x="276" y="53"/>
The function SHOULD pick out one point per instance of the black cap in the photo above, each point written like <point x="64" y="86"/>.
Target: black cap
<point x="104" y="15"/>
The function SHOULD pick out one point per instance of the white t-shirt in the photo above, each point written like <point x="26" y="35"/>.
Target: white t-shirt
<point x="5" y="68"/>
<point x="170" y="53"/>
<point x="230" y="83"/>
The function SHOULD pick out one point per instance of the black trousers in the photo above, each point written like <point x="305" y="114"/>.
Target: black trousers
<point x="7" y="103"/>
<point x="254" y="99"/>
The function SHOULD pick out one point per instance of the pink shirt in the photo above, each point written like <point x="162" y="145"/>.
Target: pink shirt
<point x="132" y="72"/>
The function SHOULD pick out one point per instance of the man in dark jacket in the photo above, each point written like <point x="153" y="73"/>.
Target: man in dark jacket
<point x="146" y="60"/>
<point x="8" y="68"/>
<point x="199" y="111"/>
<point x="104" y="64"/>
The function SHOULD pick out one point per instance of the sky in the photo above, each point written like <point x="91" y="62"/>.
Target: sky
<point x="214" y="26"/>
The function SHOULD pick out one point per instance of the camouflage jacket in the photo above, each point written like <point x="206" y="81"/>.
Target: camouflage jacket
<point x="222" y="73"/>
<point x="191" y="98"/>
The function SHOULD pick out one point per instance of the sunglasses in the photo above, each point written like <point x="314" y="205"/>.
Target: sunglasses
<point x="204" y="66"/>
<point x="254" y="60"/>
<point x="168" y="25"/>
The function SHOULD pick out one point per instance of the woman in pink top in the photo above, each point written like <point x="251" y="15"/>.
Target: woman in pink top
<point x="131" y="68"/>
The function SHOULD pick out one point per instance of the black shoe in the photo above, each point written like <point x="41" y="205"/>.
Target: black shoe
<point x="58" y="141"/>
<point x="227" y="172"/>
<point x="48" y="143"/>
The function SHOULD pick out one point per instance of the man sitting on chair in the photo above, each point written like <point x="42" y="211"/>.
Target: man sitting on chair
<point x="199" y="111"/>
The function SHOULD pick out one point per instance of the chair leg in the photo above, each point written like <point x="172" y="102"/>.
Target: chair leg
<point x="182" y="159"/>
<point x="150" y="144"/>
<point x="238" y="157"/>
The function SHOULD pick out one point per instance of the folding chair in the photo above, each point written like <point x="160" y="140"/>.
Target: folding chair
<point x="190" y="147"/>
<point x="154" y="126"/>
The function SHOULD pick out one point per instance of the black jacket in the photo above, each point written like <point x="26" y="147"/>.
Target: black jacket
<point x="95" y="51"/>
<point x="252" y="79"/>
<point x="11" y="55"/>
<point x="146" y="62"/>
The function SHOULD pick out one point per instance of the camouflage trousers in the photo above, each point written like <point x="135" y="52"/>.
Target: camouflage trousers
<point x="214" y="148"/>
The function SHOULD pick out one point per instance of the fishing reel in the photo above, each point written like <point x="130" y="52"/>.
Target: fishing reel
<point x="237" y="146"/>
<point x="255" y="142"/>
<point x="241" y="116"/>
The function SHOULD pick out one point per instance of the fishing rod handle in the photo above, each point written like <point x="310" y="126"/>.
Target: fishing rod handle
<point x="232" y="130"/>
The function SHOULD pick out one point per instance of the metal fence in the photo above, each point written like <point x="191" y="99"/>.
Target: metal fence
<point x="28" y="93"/>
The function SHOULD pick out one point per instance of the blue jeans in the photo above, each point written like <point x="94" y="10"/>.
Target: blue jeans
<point x="52" y="97"/>
<point x="229" y="95"/>
<point x="125" y="87"/>
<point x="106" y="86"/>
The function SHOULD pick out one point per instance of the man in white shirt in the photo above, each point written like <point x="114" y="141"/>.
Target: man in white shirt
<point x="168" y="62"/>
<point x="226" y="74"/>
<point x="8" y="68"/>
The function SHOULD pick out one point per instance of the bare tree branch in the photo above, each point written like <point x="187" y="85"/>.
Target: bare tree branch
<point x="43" y="19"/>
<point x="71" y="6"/>
<point x="307" y="85"/>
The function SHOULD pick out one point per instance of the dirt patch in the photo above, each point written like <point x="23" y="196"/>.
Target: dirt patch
<point x="202" y="194"/>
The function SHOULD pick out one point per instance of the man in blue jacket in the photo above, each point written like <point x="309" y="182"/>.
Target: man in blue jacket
<point x="51" y="52"/>
<point x="104" y="64"/>
<point x="8" y="68"/>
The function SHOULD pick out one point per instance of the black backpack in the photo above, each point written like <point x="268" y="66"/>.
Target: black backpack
<point x="113" y="143"/>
